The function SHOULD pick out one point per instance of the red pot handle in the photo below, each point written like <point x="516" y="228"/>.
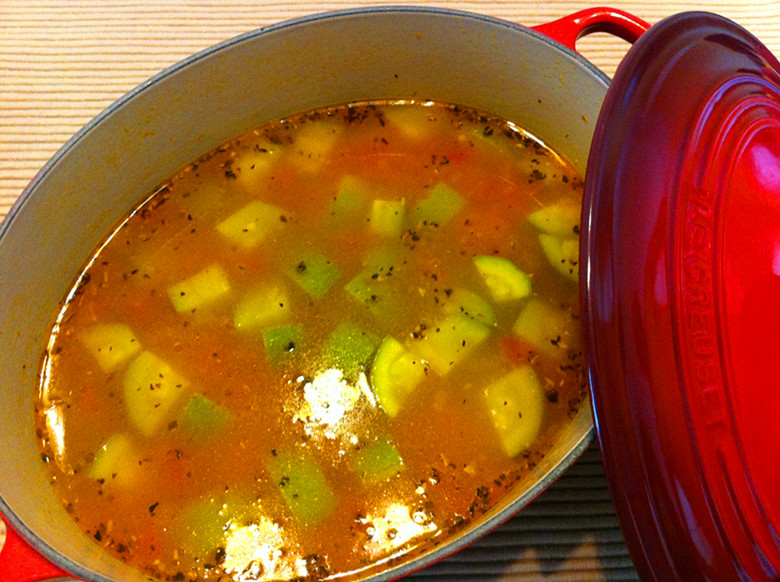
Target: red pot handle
<point x="19" y="562"/>
<point x="568" y="29"/>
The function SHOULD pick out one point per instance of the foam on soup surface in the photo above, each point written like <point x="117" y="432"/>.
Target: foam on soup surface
<point x="333" y="341"/>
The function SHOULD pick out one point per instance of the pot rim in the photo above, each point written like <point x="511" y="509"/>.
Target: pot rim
<point x="451" y="544"/>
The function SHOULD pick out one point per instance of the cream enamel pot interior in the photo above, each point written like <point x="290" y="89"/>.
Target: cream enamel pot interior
<point x="116" y="159"/>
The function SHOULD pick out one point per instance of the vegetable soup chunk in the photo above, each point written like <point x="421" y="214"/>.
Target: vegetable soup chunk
<point x="112" y="344"/>
<point x="262" y="307"/>
<point x="200" y="289"/>
<point x="303" y="486"/>
<point x="504" y="280"/>
<point x="395" y="373"/>
<point x="304" y="352"/>
<point x="252" y="224"/>
<point x="451" y="340"/>
<point x="152" y="390"/>
<point x="387" y="216"/>
<point x="314" y="272"/>
<point x="116" y="462"/>
<point x="439" y="207"/>
<point x="516" y="404"/>
<point x="378" y="461"/>
<point x="202" y="417"/>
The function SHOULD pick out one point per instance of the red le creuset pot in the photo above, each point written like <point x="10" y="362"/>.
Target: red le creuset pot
<point x="678" y="256"/>
<point x="521" y="74"/>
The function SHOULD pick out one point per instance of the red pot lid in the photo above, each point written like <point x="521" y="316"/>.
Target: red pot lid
<point x="681" y="308"/>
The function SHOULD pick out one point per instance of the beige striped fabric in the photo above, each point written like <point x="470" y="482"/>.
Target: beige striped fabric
<point x="63" y="61"/>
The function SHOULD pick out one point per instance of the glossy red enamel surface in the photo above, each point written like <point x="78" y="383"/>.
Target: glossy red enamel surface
<point x="569" y="29"/>
<point x="21" y="563"/>
<point x="681" y="288"/>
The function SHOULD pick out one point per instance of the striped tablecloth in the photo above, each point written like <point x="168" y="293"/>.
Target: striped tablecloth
<point x="63" y="61"/>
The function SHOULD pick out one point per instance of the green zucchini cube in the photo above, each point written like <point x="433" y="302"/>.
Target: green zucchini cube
<point x="203" y="418"/>
<point x="470" y="304"/>
<point x="314" y="273"/>
<point x="350" y="207"/>
<point x="563" y="254"/>
<point x="504" y="280"/>
<point x="449" y="341"/>
<point x="439" y="207"/>
<point x="303" y="486"/>
<point x="561" y="219"/>
<point x="204" y="526"/>
<point x="378" y="461"/>
<point x="349" y="348"/>
<point x="377" y="295"/>
<point x="283" y="342"/>
<point x="374" y="288"/>
<point x="395" y="373"/>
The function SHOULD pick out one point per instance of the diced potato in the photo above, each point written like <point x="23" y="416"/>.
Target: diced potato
<point x="503" y="279"/>
<point x="395" y="374"/>
<point x="252" y="166"/>
<point x="516" y="407"/>
<point x="313" y="143"/>
<point x="470" y="304"/>
<point x="112" y="344"/>
<point x="563" y="254"/>
<point x="199" y="290"/>
<point x="314" y="272"/>
<point x="439" y="207"/>
<point x="202" y="417"/>
<point x="450" y="341"/>
<point x="303" y="486"/>
<point x="263" y="307"/>
<point x="413" y="121"/>
<point x="152" y="390"/>
<point x="283" y="341"/>
<point x="116" y="462"/>
<point x="378" y="461"/>
<point x="349" y="348"/>
<point x="252" y="224"/>
<point x="551" y="330"/>
<point x="387" y="217"/>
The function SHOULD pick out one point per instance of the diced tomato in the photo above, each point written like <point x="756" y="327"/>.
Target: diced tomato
<point x="147" y="543"/>
<point x="516" y="350"/>
<point x="88" y="399"/>
<point x="458" y="155"/>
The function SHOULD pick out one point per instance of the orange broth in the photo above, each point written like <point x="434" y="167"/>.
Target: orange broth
<point x="331" y="342"/>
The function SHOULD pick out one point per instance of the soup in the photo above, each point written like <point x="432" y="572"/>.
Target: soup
<point x="328" y="344"/>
